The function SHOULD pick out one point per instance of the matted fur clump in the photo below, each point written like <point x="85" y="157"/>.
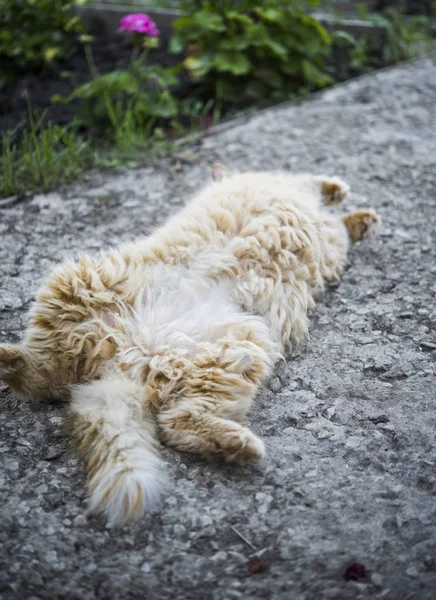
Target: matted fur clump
<point x="170" y="337"/>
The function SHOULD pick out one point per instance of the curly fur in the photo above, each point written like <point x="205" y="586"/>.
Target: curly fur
<point x="172" y="335"/>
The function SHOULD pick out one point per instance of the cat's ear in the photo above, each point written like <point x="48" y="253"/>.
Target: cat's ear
<point x="219" y="172"/>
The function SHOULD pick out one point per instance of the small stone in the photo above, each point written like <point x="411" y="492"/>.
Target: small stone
<point x="377" y="579"/>
<point x="275" y="384"/>
<point x="15" y="567"/>
<point x="10" y="464"/>
<point x="145" y="568"/>
<point x="53" y="453"/>
<point x="80" y="521"/>
<point x="179" y="529"/>
<point x="51" y="556"/>
<point x="219" y="556"/>
<point x="257" y="565"/>
<point x="353" y="442"/>
<point x="355" y="572"/>
<point x="331" y="412"/>
<point x="412" y="572"/>
<point x="425" y="249"/>
<point x="379" y="419"/>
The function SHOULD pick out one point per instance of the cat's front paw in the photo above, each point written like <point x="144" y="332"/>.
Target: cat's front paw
<point x="334" y="191"/>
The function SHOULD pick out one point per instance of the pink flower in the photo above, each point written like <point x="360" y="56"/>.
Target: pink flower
<point x="141" y="23"/>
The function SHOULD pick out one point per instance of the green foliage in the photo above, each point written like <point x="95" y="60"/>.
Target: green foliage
<point x="240" y="52"/>
<point x="406" y="37"/>
<point x="44" y="158"/>
<point x="403" y="37"/>
<point x="126" y="101"/>
<point x="35" y="33"/>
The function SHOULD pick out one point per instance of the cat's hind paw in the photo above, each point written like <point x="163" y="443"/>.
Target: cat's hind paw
<point x="361" y="224"/>
<point x="242" y="447"/>
<point x="12" y="360"/>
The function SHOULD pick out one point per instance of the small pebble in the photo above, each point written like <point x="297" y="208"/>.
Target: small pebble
<point x="80" y="521"/>
<point x="275" y="384"/>
<point x="355" y="572"/>
<point x="257" y="565"/>
<point x="379" y="419"/>
<point x="377" y="579"/>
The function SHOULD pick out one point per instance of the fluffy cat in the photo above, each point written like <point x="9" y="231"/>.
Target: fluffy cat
<point x="170" y="337"/>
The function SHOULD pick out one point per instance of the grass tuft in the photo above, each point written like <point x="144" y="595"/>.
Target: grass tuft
<point x="45" y="157"/>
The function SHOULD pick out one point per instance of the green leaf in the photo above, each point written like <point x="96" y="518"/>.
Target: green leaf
<point x="198" y="67"/>
<point x="256" y="34"/>
<point x="164" y="77"/>
<point x="271" y="15"/>
<point x="176" y="46"/>
<point x="238" y="17"/>
<point x="167" y="107"/>
<point x="50" y="54"/>
<point x="344" y="36"/>
<point x="292" y="67"/>
<point x="320" y="29"/>
<point x="235" y="43"/>
<point x="233" y="62"/>
<point x="182" y="22"/>
<point x="58" y="99"/>
<point x="315" y="76"/>
<point x="276" y="48"/>
<point x="209" y="21"/>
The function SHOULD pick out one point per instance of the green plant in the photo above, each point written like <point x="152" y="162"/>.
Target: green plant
<point x="45" y="157"/>
<point x="240" y="52"/>
<point x="34" y="33"/>
<point x="130" y="101"/>
<point x="406" y="37"/>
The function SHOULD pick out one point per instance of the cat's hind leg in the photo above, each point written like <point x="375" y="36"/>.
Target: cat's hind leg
<point x="216" y="396"/>
<point x="361" y="224"/>
<point x="193" y="426"/>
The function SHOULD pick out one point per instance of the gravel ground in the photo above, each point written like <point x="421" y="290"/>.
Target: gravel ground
<point x="348" y="421"/>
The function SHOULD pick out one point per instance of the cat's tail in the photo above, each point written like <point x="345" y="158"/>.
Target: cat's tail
<point x="115" y="432"/>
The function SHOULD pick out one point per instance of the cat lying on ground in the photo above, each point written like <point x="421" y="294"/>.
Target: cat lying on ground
<point x="169" y="337"/>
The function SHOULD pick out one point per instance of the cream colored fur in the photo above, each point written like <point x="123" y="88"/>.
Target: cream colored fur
<point x="172" y="335"/>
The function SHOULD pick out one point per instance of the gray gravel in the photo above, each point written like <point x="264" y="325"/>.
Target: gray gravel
<point x="349" y="421"/>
